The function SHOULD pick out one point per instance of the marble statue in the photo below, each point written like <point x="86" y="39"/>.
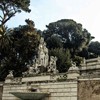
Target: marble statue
<point x="52" y="65"/>
<point x="42" y="63"/>
<point x="73" y="68"/>
<point x="10" y="75"/>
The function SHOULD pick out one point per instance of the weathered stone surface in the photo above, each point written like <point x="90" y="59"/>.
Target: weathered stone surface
<point x="42" y="77"/>
<point x="89" y="90"/>
<point x="73" y="72"/>
<point x="1" y="91"/>
<point x="42" y="63"/>
<point x="63" y="90"/>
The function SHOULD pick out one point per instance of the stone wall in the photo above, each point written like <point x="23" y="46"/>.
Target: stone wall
<point x="83" y="89"/>
<point x="1" y="90"/>
<point x="7" y="89"/>
<point x="89" y="89"/>
<point x="58" y="90"/>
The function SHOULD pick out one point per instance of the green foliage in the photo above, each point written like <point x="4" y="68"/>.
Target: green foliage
<point x="63" y="62"/>
<point x="8" y="8"/>
<point x="91" y="51"/>
<point x="18" y="48"/>
<point x="70" y="33"/>
<point x="94" y="47"/>
<point x="84" y="53"/>
<point x="77" y="60"/>
<point x="25" y="38"/>
<point x="54" y="42"/>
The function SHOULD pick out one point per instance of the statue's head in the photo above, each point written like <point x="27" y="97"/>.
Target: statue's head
<point x="41" y="40"/>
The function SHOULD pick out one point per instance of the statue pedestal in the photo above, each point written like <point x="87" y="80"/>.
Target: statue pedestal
<point x="72" y="75"/>
<point x="73" y="72"/>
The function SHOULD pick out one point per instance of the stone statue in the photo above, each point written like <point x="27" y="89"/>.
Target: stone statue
<point x="43" y="53"/>
<point x="73" y="64"/>
<point x="10" y="75"/>
<point x="52" y="65"/>
<point x="73" y="68"/>
<point x="41" y="63"/>
<point x="31" y="70"/>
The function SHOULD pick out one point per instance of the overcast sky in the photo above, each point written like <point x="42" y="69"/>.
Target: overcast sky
<point x="86" y="12"/>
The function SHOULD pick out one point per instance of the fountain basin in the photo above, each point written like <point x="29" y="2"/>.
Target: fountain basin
<point x="30" y="95"/>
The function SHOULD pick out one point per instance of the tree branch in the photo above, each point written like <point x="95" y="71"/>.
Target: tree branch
<point x="0" y="20"/>
<point x="9" y="18"/>
<point x="1" y="17"/>
<point x="7" y="13"/>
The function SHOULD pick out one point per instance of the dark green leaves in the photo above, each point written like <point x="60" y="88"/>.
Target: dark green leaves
<point x="63" y="59"/>
<point x="94" y="47"/>
<point x="17" y="49"/>
<point x="68" y="35"/>
<point x="9" y="8"/>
